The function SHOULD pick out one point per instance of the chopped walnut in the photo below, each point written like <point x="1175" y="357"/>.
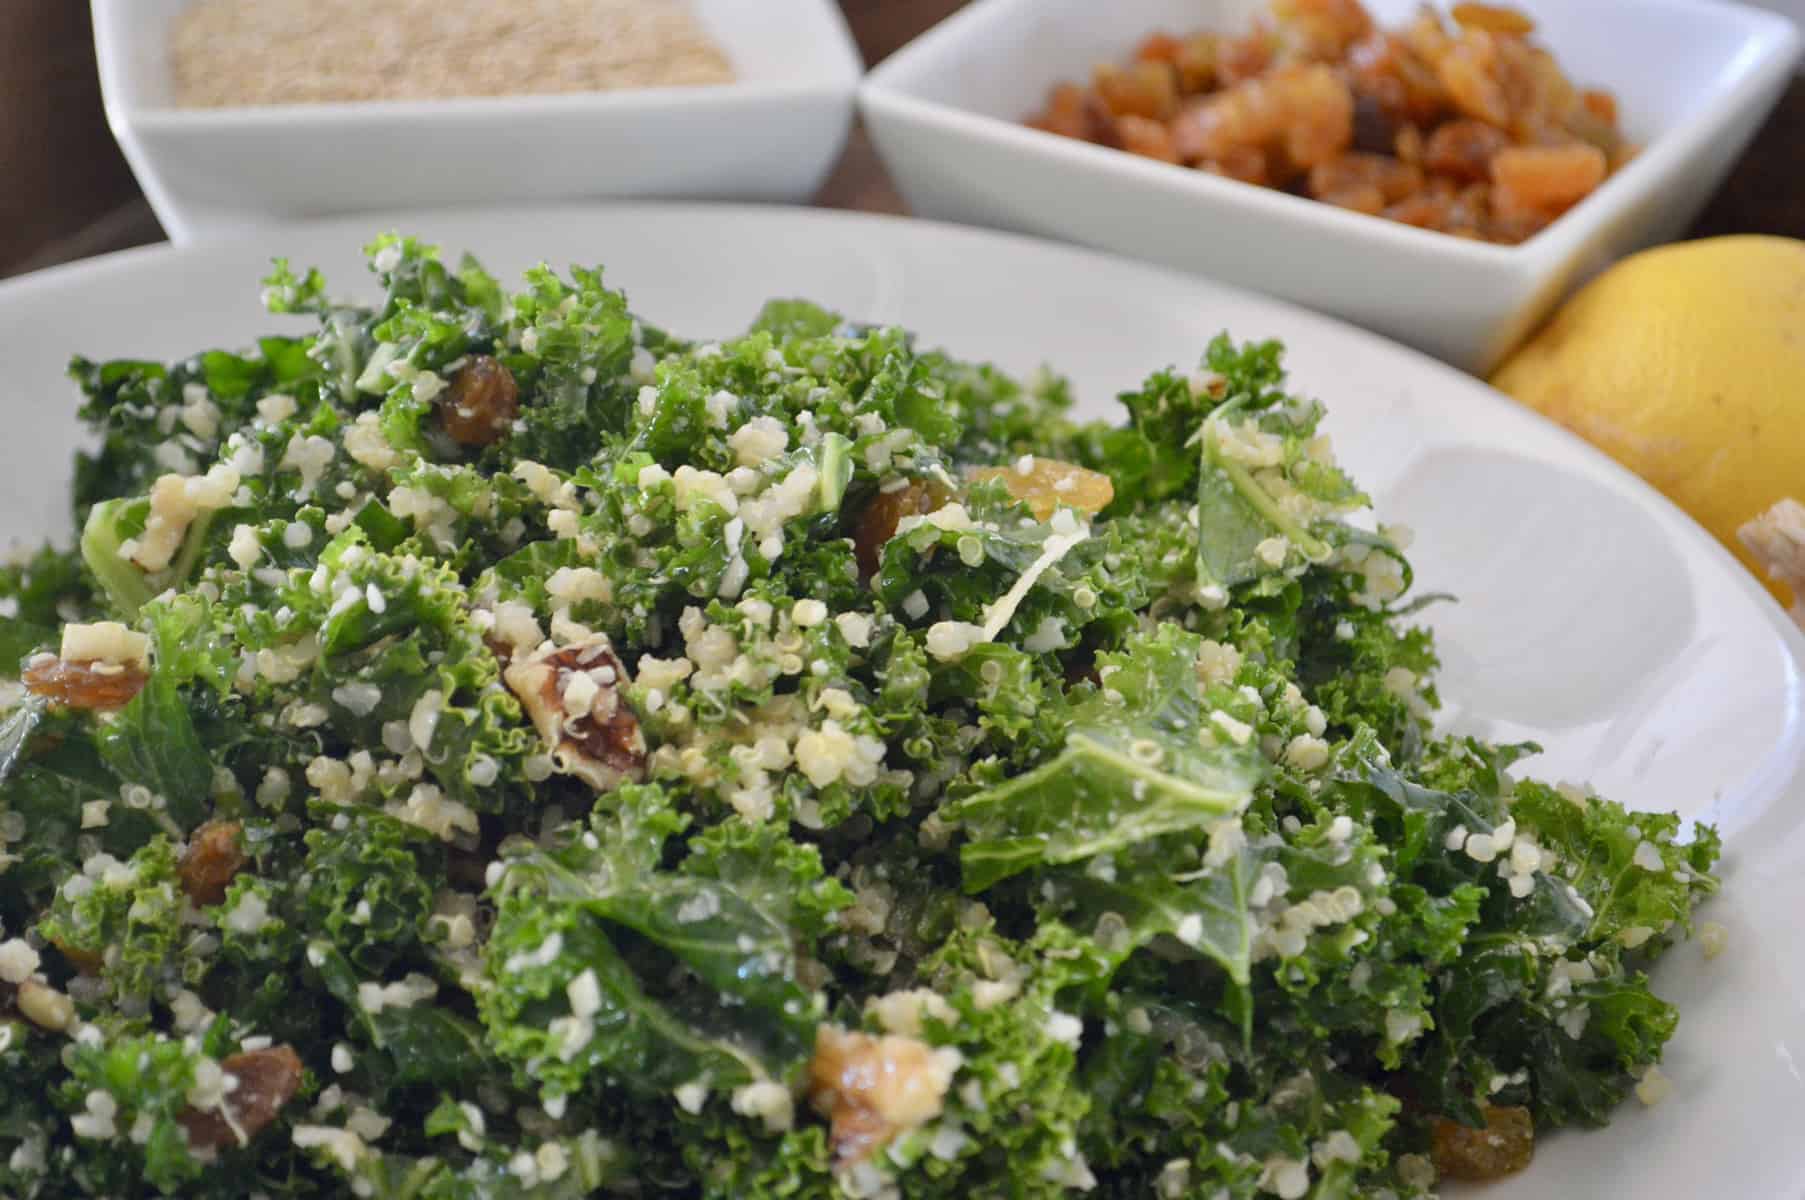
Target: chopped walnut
<point x="266" y="1080"/>
<point x="214" y="856"/>
<point x="1503" y="1147"/>
<point x="573" y="695"/>
<point x="88" y="684"/>
<point x="874" y="1088"/>
<point x="1317" y="95"/>
<point x="480" y="405"/>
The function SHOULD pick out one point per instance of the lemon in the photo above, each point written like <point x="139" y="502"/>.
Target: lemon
<point x="1687" y="364"/>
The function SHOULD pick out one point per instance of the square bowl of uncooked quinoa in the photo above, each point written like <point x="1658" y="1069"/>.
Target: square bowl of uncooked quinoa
<point x="240" y="113"/>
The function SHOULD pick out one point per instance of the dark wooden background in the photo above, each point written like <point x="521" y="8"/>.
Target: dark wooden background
<point x="66" y="193"/>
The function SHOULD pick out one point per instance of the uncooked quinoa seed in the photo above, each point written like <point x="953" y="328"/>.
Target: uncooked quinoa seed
<point x="244" y="52"/>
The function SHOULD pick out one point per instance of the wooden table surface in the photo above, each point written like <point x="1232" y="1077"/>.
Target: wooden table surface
<point x="68" y="193"/>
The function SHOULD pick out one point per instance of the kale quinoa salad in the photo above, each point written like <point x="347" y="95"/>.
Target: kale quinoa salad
<point x="490" y="747"/>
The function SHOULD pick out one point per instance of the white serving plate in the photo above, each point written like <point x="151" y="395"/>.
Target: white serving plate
<point x="1694" y="79"/>
<point x="1594" y="616"/>
<point x="1792" y="9"/>
<point x="771" y="135"/>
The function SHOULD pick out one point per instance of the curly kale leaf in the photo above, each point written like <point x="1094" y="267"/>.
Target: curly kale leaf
<point x="154" y="419"/>
<point x="128" y="919"/>
<point x="1639" y="880"/>
<point x="1133" y="768"/>
<point x="1154" y="457"/>
<point x="785" y="319"/>
<point x="412" y="1039"/>
<point x="601" y="960"/>
<point x="37" y="595"/>
<point x="152" y="743"/>
<point x="587" y="1162"/>
<point x="770" y="871"/>
<point x="368" y="883"/>
<point x="148" y="1079"/>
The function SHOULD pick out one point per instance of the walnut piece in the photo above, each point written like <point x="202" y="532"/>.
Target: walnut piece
<point x="873" y="1088"/>
<point x="267" y="1079"/>
<point x="573" y="695"/>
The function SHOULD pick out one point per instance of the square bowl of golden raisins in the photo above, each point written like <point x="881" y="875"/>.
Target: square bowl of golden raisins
<point x="1441" y="174"/>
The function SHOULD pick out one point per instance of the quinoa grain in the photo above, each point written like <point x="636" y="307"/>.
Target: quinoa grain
<point x="225" y="53"/>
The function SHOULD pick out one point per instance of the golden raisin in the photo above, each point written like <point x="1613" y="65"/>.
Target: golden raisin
<point x="1147" y="138"/>
<point x="877" y="524"/>
<point x="83" y="684"/>
<point x="1239" y="59"/>
<point x="1425" y="210"/>
<point x="1319" y="113"/>
<point x="1142" y="89"/>
<point x="1283" y="104"/>
<point x="481" y="403"/>
<point x="1301" y="115"/>
<point x="1463" y="150"/>
<point x="1243" y="163"/>
<point x="1047" y="484"/>
<point x="1360" y="197"/>
<point x="1503" y="1147"/>
<point x="1409" y="145"/>
<point x="1385" y="68"/>
<point x="1196" y="63"/>
<point x="1541" y="97"/>
<point x="1378" y="177"/>
<point x="1601" y="105"/>
<point x="1492" y="18"/>
<point x="1470" y="72"/>
<point x="214" y="857"/>
<point x="1066" y="113"/>
<point x="267" y="1079"/>
<point x="1587" y="127"/>
<point x="1320" y="30"/>
<point x="1158" y="47"/>
<point x="1545" y="179"/>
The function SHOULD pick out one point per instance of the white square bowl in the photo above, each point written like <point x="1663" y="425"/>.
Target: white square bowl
<point x="1693" y="78"/>
<point x="771" y="135"/>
